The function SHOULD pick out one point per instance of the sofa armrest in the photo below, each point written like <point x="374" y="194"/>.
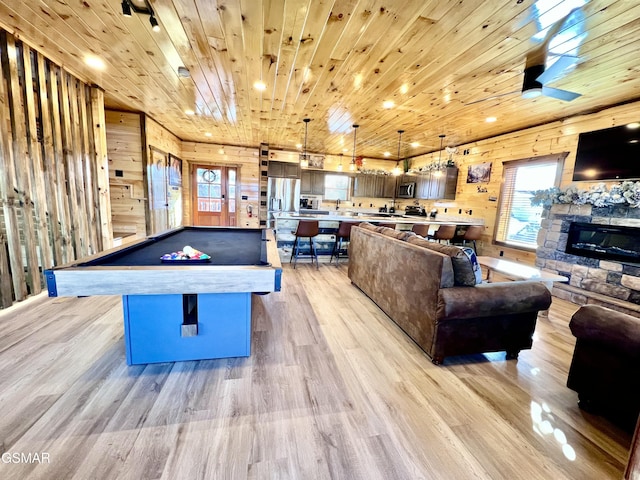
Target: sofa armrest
<point x="608" y="327"/>
<point x="492" y="299"/>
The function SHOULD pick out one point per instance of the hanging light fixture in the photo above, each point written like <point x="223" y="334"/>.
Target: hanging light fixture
<point x="440" y="167"/>
<point x="397" y="170"/>
<point x="304" y="159"/>
<point x="352" y="165"/>
<point x="340" y="164"/>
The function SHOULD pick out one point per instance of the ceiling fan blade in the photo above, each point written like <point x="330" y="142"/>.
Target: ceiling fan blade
<point x="500" y="95"/>
<point x="561" y="67"/>
<point x="560" y="94"/>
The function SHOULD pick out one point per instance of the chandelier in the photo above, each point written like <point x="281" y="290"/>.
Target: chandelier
<point x="304" y="158"/>
<point x="397" y="170"/>
<point x="352" y="165"/>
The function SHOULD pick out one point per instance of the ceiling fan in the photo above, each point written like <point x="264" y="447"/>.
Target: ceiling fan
<point x="536" y="76"/>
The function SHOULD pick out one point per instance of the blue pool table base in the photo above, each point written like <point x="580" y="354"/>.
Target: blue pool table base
<point x="173" y="328"/>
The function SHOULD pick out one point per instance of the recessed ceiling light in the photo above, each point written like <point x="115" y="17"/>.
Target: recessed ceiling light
<point x="345" y="149"/>
<point x="95" y="62"/>
<point x="633" y="125"/>
<point x="387" y="154"/>
<point x="490" y="119"/>
<point x="189" y="112"/>
<point x="207" y="134"/>
<point x="298" y="145"/>
<point x="388" y="104"/>
<point x="260" y="85"/>
<point x="415" y="144"/>
<point x="221" y="151"/>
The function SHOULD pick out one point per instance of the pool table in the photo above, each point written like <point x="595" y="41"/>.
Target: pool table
<point x="185" y="309"/>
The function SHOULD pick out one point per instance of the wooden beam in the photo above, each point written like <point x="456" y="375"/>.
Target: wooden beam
<point x="102" y="167"/>
<point x="36" y="172"/>
<point x="69" y="163"/>
<point x="88" y="165"/>
<point x="78" y="183"/>
<point x="22" y="166"/>
<point x="8" y="198"/>
<point x="62" y="199"/>
<point x="49" y="161"/>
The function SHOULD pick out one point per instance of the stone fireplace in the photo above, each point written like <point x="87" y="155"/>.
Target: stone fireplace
<point x="614" y="283"/>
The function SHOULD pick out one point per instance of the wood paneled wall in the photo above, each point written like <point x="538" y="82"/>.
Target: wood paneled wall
<point x="126" y="179"/>
<point x="130" y="137"/>
<point x="246" y="159"/>
<point x="552" y="138"/>
<point x="53" y="183"/>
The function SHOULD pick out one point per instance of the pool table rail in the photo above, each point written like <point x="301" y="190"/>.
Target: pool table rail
<point x="85" y="277"/>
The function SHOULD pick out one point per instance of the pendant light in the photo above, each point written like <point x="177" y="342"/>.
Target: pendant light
<point x="397" y="170"/>
<point x="304" y="160"/>
<point x="438" y="171"/>
<point x="340" y="164"/>
<point x="352" y="165"/>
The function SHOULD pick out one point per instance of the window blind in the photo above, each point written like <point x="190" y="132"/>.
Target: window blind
<point x="518" y="222"/>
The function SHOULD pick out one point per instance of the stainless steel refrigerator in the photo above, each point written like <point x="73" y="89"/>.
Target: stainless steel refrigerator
<point x="284" y="196"/>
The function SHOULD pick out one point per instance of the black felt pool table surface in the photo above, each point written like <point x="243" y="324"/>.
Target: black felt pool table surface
<point x="225" y="246"/>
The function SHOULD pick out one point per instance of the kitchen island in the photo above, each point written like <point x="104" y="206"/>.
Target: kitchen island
<point x="286" y="223"/>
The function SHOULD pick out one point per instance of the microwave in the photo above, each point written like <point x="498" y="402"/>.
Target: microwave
<point x="406" y="190"/>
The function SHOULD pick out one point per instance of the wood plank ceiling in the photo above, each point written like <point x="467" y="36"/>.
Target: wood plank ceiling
<point x="336" y="62"/>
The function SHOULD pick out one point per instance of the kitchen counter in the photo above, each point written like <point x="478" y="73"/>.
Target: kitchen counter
<point x="286" y="223"/>
<point x="398" y="218"/>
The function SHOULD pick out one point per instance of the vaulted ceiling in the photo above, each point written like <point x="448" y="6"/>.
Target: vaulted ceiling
<point x="445" y="65"/>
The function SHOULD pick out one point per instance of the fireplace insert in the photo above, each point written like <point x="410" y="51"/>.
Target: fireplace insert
<point x="608" y="242"/>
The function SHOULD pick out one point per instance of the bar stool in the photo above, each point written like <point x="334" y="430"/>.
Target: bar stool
<point x="343" y="233"/>
<point x="306" y="229"/>
<point x="444" y="232"/>
<point x="473" y="233"/>
<point x="421" y="229"/>
<point x="387" y="224"/>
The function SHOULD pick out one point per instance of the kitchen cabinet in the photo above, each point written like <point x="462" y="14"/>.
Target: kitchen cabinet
<point x="312" y="182"/>
<point x="437" y="187"/>
<point x="389" y="185"/>
<point x="374" y="186"/>
<point x="364" y="185"/>
<point x="284" y="169"/>
<point x="446" y="184"/>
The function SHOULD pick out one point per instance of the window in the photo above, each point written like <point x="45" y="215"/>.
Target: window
<point x="518" y="222"/>
<point x="336" y="187"/>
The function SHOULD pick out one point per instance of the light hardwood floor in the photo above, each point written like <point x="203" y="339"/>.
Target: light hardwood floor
<point x="333" y="389"/>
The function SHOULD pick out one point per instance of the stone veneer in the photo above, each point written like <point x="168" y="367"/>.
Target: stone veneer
<point x="593" y="280"/>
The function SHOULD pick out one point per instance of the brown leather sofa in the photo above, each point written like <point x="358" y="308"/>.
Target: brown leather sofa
<point x="419" y="284"/>
<point x="605" y="369"/>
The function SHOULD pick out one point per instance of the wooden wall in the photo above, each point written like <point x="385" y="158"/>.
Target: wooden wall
<point x="130" y="137"/>
<point x="552" y="138"/>
<point x="246" y="159"/>
<point x="126" y="178"/>
<point x="53" y="183"/>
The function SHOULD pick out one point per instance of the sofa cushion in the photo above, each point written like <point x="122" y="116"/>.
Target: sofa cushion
<point x="368" y="226"/>
<point x="466" y="269"/>
<point x="398" y="234"/>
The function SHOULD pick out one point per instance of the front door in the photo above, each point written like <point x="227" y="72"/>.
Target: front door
<point x="214" y="202"/>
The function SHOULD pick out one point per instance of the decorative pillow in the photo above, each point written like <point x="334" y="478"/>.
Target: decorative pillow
<point x="473" y="260"/>
<point x="466" y="271"/>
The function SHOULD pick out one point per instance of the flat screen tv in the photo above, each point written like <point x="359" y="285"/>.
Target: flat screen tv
<point x="609" y="154"/>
